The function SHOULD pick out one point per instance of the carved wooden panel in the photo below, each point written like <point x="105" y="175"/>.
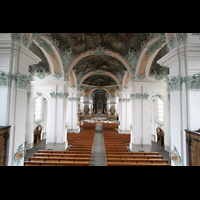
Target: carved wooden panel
<point x="193" y="142"/>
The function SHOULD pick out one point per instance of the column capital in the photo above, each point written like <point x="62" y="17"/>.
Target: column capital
<point x="139" y="96"/>
<point x="5" y="79"/>
<point x="193" y="82"/>
<point x="175" y="83"/>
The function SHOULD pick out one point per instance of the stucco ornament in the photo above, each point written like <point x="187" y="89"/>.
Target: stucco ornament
<point x="100" y="72"/>
<point x="141" y="76"/>
<point x="19" y="154"/>
<point x="67" y="58"/>
<point x="175" y="83"/>
<point x="154" y="46"/>
<point x="138" y="96"/>
<point x="22" y="81"/>
<point x="5" y="79"/>
<point x="100" y="50"/>
<point x="132" y="58"/>
<point x="58" y="75"/>
<point x="15" y="36"/>
<point x="176" y="158"/>
<point x="41" y="74"/>
<point x="60" y="95"/>
<point x="124" y="99"/>
<point x="45" y="46"/>
<point x="53" y="94"/>
<point x="145" y="96"/>
<point x="158" y="76"/>
<point x="193" y="82"/>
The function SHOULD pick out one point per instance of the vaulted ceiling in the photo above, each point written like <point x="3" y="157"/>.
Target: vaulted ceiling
<point x="100" y="69"/>
<point x="119" y="42"/>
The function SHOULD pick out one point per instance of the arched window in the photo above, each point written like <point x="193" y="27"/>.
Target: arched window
<point x="160" y="110"/>
<point x="38" y="109"/>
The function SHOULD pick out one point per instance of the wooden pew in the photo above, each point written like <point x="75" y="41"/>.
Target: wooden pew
<point x="132" y="153"/>
<point x="118" y="155"/>
<point x="76" y="163"/>
<point x="135" y="156"/>
<point x="88" y="126"/>
<point x="56" y="159"/>
<point x="80" y="149"/>
<point x="116" y="150"/>
<point x="51" y="155"/>
<point x="79" y="154"/>
<point x="131" y="164"/>
<point x="138" y="161"/>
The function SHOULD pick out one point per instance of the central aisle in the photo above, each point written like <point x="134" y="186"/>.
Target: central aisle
<point x="98" y="157"/>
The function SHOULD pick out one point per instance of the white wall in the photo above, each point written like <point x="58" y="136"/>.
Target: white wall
<point x="145" y="110"/>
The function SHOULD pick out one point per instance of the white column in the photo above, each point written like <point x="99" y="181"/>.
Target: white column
<point x="184" y="62"/>
<point x="5" y="105"/>
<point x="60" y="119"/>
<point x="146" y="136"/>
<point x="128" y="113"/>
<point x="72" y="119"/>
<point x="138" y="116"/>
<point x="166" y="127"/>
<point x="75" y="101"/>
<point x="30" y="125"/>
<point x="66" y="113"/>
<point x="69" y="112"/>
<point x="56" y="134"/>
<point x="45" y="112"/>
<point x="132" y="116"/>
<point x="14" y="62"/>
<point x="51" y="137"/>
<point x="120" y="112"/>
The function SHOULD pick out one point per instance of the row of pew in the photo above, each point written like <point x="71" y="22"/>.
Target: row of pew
<point x="78" y="152"/>
<point x="117" y="154"/>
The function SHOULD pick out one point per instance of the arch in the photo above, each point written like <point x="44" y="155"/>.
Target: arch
<point x="54" y="59"/>
<point x="125" y="79"/>
<point x="32" y="100"/>
<point x="46" y="55"/>
<point x="31" y="123"/>
<point x="153" y="108"/>
<point x="96" y="89"/>
<point x="105" y="52"/>
<point x="148" y="66"/>
<point x="158" y="96"/>
<point x="59" y="60"/>
<point x="94" y="73"/>
<point x="143" y="56"/>
<point x="73" y="79"/>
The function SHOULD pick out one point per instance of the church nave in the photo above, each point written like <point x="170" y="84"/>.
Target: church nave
<point x="51" y="84"/>
<point x="97" y="158"/>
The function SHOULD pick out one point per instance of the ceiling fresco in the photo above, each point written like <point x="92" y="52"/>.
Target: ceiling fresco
<point x="119" y="42"/>
<point x="155" y="67"/>
<point x="100" y="62"/>
<point x="43" y="65"/>
<point x="128" y="45"/>
<point x="99" y="80"/>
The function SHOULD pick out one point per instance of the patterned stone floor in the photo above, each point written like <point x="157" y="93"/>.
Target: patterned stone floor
<point x="98" y="157"/>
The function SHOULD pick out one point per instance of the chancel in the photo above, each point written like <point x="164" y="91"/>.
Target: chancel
<point x="108" y="99"/>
